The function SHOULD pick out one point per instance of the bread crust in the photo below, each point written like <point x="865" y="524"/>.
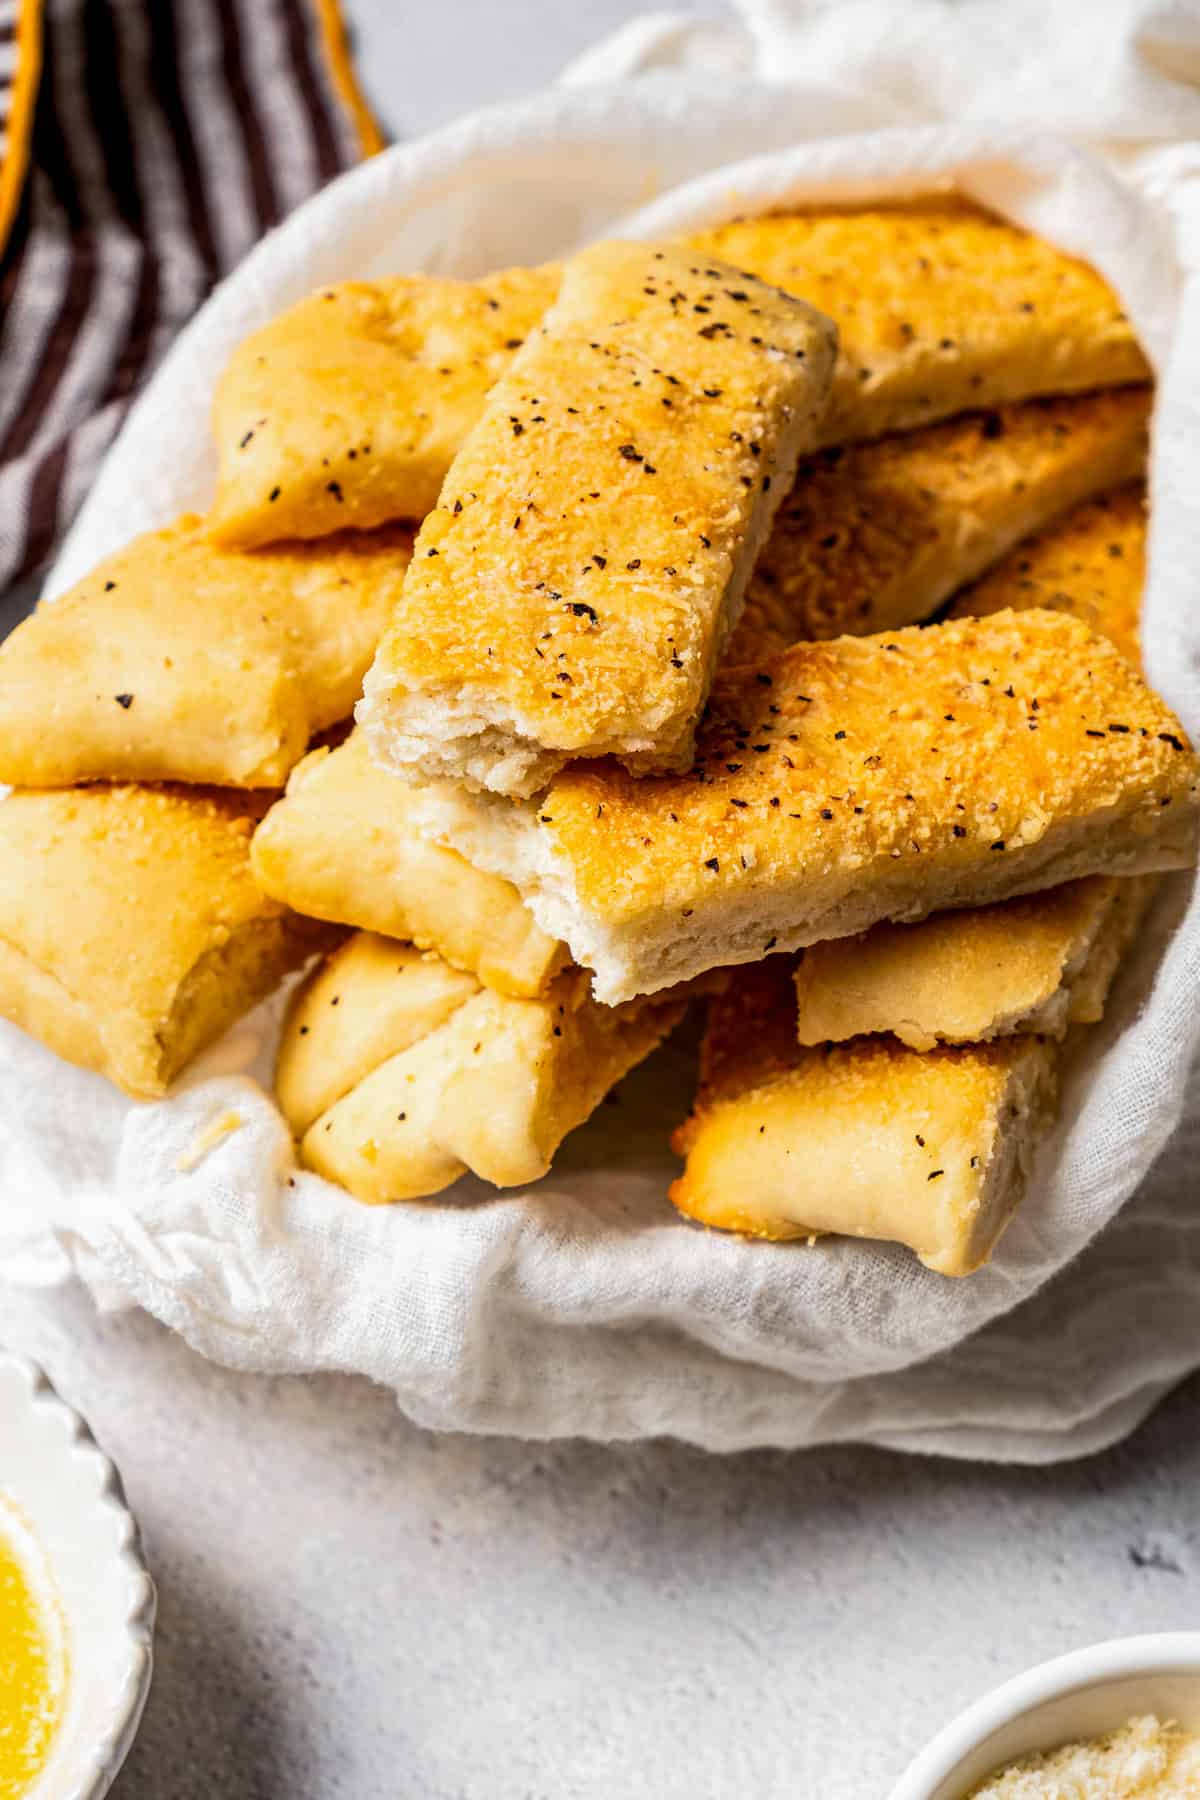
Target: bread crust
<point x="412" y="1100"/>
<point x="875" y="536"/>
<point x="346" y="410"/>
<point x="349" y="408"/>
<point x="574" y="586"/>
<point x="341" y="845"/>
<point x="1039" y="964"/>
<point x="847" y="783"/>
<point x="940" y="306"/>
<point x="176" y="661"/>
<point x="131" y="931"/>
<point x="1090" y="563"/>
<point x="867" y="1139"/>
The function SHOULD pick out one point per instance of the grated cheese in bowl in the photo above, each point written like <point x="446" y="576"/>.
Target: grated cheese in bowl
<point x="1144" y="1760"/>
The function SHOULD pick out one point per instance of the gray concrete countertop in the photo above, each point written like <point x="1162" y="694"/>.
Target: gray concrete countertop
<point x="353" y="1607"/>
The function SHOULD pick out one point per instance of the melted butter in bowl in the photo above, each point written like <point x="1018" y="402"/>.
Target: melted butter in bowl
<point x="33" y="1656"/>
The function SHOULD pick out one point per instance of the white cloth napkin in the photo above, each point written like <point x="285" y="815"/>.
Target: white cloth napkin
<point x="583" y="1305"/>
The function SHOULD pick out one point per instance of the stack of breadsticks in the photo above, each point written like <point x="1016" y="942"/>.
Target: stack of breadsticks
<point x="632" y="563"/>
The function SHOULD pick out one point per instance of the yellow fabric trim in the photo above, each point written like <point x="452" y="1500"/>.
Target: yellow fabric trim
<point x="20" y="120"/>
<point x="341" y="69"/>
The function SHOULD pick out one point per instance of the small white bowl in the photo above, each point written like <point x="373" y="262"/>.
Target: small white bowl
<point x="68" y="1494"/>
<point x="1079" y="1696"/>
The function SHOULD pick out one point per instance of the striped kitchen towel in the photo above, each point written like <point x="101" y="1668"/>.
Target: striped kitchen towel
<point x="144" y="146"/>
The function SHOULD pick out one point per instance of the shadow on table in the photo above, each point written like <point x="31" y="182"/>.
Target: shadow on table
<point x="215" y="1704"/>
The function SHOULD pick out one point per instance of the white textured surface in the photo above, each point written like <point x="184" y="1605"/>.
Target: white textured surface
<point x="351" y="1606"/>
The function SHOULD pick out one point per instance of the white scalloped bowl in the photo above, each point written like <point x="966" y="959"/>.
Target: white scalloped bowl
<point x="69" y="1495"/>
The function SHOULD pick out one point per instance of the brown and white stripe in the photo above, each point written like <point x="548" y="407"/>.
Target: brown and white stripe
<point x="168" y="136"/>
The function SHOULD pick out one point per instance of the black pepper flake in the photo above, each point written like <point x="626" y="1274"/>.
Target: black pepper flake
<point x="630" y="452"/>
<point x="431" y="553"/>
<point x="920" y="1140"/>
<point x="770" y="943"/>
<point x="401" y="1117"/>
<point x="582" y="610"/>
<point x="712" y="863"/>
<point x="304" y="1031"/>
<point x="740" y="804"/>
<point x="273" y="495"/>
<point x="634" y="563"/>
<point x="826" y="813"/>
<point x="712" y="393"/>
<point x="1168" y="737"/>
<point x="992" y="426"/>
<point x="242" y="442"/>
<point x="998" y="845"/>
<point x="960" y="831"/>
<point x="838" y="734"/>
<point x="1121" y="730"/>
<point x="934" y="1173"/>
<point x="335" y="488"/>
<point x="109" y="586"/>
<point x="124" y="700"/>
<point x="1090" y="733"/>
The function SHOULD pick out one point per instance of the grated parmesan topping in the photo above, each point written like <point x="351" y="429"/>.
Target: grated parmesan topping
<point x="1144" y="1760"/>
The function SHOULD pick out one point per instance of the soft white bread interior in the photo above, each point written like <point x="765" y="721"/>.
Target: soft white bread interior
<point x="574" y="586"/>
<point x="341" y="845"/>
<point x="399" y="1076"/>
<point x="867" y="1139"/>
<point x="846" y="783"/>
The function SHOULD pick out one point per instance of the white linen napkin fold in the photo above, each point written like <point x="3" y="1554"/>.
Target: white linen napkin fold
<point x="582" y="1304"/>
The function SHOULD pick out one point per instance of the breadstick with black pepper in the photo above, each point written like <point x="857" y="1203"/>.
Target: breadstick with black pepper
<point x="174" y="660"/>
<point x="845" y="783"/>
<point x="573" y="589"/>
<point x="132" y="932"/>
<point x="875" y="536"/>
<point x="867" y="1139"/>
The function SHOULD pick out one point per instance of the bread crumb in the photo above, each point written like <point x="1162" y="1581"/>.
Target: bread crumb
<point x="208" y="1139"/>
